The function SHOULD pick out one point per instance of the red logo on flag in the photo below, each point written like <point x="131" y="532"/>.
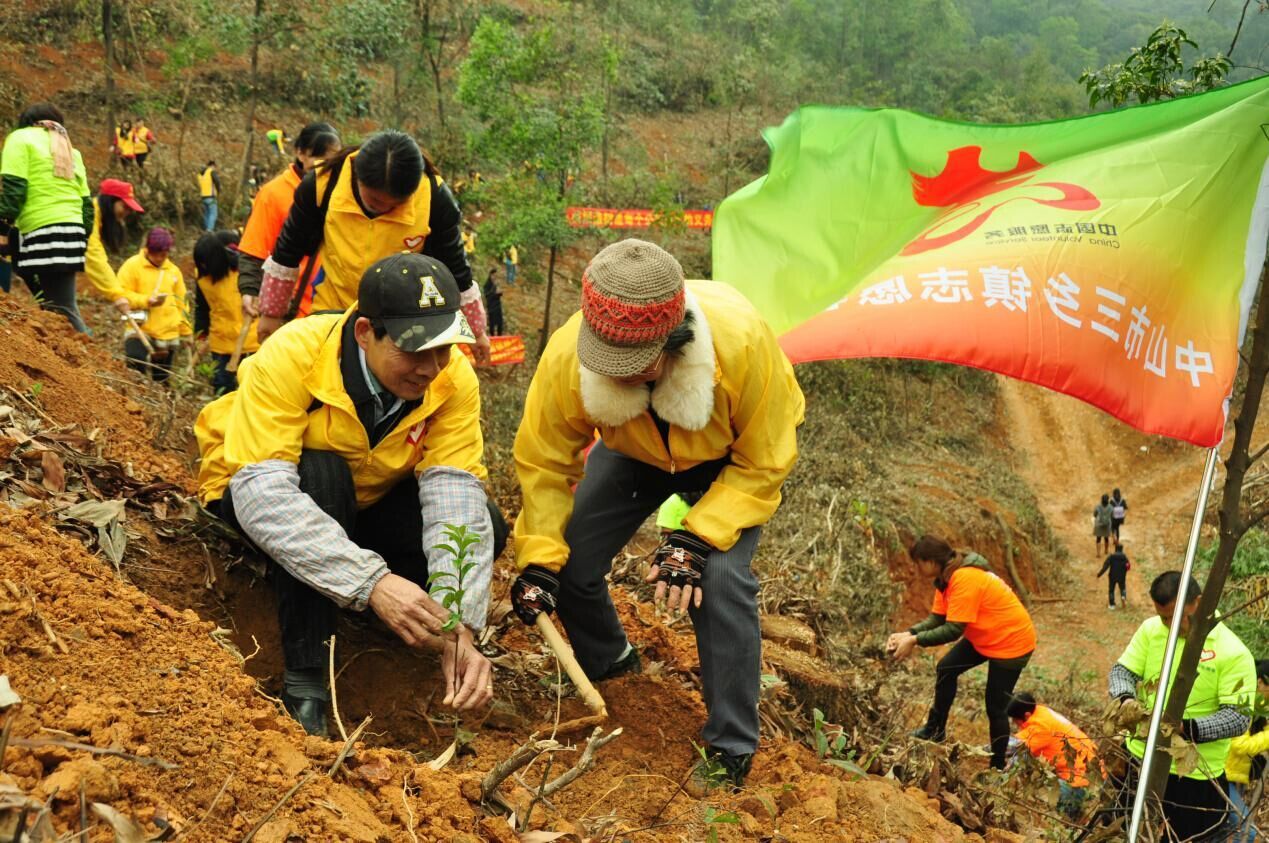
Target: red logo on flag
<point x="964" y="183"/>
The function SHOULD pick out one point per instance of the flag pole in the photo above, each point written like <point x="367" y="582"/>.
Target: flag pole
<point x="1169" y="652"/>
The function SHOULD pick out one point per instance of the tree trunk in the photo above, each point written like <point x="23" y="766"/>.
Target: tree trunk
<point x="108" y="42"/>
<point x="1232" y="529"/>
<point x="250" y="125"/>
<point x="546" y="311"/>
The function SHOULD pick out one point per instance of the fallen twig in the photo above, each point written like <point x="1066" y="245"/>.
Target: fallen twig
<point x="96" y="750"/>
<point x="522" y="757"/>
<point x="277" y="805"/>
<point x="334" y="697"/>
<point x="596" y="742"/>
<point x="409" y="812"/>
<point x="348" y="745"/>
<point x="210" y="808"/>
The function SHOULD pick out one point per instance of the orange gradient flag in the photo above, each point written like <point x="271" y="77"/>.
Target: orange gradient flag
<point x="1113" y="257"/>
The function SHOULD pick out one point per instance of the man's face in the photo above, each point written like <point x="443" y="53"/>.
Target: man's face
<point x="1165" y="610"/>
<point x="407" y="375"/>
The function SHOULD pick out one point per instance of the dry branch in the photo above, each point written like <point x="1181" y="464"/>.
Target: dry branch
<point x="521" y="758"/>
<point x="96" y="750"/>
<point x="596" y="742"/>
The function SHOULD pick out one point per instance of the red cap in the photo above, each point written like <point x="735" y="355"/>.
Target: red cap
<point x="121" y="190"/>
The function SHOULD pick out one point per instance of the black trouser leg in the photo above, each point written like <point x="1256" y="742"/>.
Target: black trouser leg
<point x="960" y="658"/>
<point x="138" y="357"/>
<point x="1119" y="582"/>
<point x="1001" y="679"/>
<point x="615" y="496"/>
<point x="56" y="292"/>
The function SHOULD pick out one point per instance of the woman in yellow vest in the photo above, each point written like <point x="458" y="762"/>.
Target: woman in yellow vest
<point x="208" y="191"/>
<point x="365" y="204"/>
<point x="152" y="287"/>
<point x="218" y="308"/>
<point x="124" y="146"/>
<point x="142" y="140"/>
<point x="115" y="201"/>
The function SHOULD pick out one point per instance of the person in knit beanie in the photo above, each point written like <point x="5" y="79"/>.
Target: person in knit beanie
<point x="691" y="395"/>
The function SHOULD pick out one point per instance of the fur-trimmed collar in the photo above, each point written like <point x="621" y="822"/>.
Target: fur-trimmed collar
<point x="683" y="396"/>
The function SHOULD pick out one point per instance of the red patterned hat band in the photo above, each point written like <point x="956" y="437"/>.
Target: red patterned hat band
<point x="630" y="323"/>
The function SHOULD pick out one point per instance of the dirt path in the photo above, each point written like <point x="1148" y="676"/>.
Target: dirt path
<point x="1071" y="454"/>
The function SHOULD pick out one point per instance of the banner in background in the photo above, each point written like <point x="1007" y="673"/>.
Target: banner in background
<point x="631" y="218"/>
<point x="1113" y="257"/>
<point x="503" y="351"/>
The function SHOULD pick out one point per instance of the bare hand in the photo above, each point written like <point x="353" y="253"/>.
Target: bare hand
<point x="416" y="618"/>
<point x="482" y="350"/>
<point x="904" y="644"/>
<point x="674" y="598"/>
<point x="266" y="326"/>
<point x="122" y="305"/>
<point x="250" y="310"/>
<point x="468" y="674"/>
<point x="156" y="300"/>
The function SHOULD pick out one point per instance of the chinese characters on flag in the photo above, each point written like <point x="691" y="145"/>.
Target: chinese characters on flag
<point x="631" y="218"/>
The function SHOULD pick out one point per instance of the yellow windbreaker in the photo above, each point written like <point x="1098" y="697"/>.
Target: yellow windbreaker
<point x="352" y="241"/>
<point x="268" y="417"/>
<point x="139" y="280"/>
<point x="1242" y="750"/>
<point x="756" y="409"/>
<point x="97" y="264"/>
<point x="225" y="306"/>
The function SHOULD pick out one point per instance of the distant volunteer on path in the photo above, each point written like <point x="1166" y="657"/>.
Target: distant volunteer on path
<point x="315" y="143"/>
<point x="364" y="204"/>
<point x="352" y="442"/>
<point x="690" y="393"/>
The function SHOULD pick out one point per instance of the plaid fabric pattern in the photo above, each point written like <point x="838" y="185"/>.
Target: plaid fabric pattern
<point x="287" y="525"/>
<point x="451" y="496"/>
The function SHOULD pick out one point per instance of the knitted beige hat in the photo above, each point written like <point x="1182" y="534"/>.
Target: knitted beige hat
<point x="632" y="297"/>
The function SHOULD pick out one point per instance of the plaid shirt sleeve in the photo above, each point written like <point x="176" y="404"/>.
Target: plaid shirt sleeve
<point x="1123" y="682"/>
<point x="1227" y="722"/>
<point x="451" y="496"/>
<point x="310" y="545"/>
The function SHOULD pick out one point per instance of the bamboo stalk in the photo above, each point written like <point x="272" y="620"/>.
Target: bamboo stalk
<point x="574" y="670"/>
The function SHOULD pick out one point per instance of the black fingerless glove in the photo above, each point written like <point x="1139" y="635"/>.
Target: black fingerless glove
<point x="681" y="559"/>
<point x="534" y="591"/>
<point x="1189" y="730"/>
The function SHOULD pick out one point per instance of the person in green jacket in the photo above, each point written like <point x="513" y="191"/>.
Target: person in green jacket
<point x="1194" y="801"/>
<point x="46" y="209"/>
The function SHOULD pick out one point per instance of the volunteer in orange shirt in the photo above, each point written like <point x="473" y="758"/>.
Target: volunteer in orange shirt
<point x="316" y="143"/>
<point x="1051" y="737"/>
<point x="974" y="605"/>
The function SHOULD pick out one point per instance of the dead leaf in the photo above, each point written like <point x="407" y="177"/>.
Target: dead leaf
<point x="542" y="836"/>
<point x="8" y="696"/>
<point x="160" y="510"/>
<point x="445" y="757"/>
<point x="112" y="540"/>
<point x="54" y="472"/>
<point x="126" y="831"/>
<point x="97" y="513"/>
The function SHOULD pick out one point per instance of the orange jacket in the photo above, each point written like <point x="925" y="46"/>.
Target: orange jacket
<point x="1051" y="736"/>
<point x="268" y="213"/>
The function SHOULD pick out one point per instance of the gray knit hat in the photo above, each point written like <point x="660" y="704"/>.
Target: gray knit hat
<point x="632" y="297"/>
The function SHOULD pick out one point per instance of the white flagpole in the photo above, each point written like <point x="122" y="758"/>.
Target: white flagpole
<point x="1165" y="674"/>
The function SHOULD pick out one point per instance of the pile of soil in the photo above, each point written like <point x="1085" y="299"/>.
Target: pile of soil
<point x="136" y="697"/>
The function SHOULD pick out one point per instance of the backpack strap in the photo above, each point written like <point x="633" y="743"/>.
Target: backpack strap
<point x="323" y="205"/>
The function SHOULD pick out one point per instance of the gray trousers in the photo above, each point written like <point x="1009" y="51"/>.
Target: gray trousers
<point x="615" y="496"/>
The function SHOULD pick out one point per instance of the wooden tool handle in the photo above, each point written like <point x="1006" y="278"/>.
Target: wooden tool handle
<point x="145" y="341"/>
<point x="574" y="670"/>
<point x="236" y="357"/>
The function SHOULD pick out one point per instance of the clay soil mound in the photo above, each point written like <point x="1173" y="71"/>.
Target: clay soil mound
<point x="138" y="701"/>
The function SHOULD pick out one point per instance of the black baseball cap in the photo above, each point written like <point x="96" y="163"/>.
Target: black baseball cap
<point x="417" y="299"/>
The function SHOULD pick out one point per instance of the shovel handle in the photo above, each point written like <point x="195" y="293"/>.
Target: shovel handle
<point x="574" y="670"/>
<point x="236" y="357"/>
<point x="145" y="341"/>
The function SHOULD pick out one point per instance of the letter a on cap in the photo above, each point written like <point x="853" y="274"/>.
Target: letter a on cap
<point x="431" y="296"/>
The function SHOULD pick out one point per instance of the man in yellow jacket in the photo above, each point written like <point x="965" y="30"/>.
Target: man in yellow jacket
<point x="691" y="394"/>
<point x="352" y="442"/>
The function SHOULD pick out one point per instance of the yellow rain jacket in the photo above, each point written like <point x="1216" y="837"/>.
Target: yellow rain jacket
<point x="353" y="241"/>
<point x="1242" y="750"/>
<point x="97" y="264"/>
<point x="139" y="280"/>
<point x="269" y="417"/>
<point x="757" y="407"/>
<point x="225" y="304"/>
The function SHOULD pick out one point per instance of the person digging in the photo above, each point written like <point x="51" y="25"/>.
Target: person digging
<point x="352" y="442"/>
<point x="691" y="394"/>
